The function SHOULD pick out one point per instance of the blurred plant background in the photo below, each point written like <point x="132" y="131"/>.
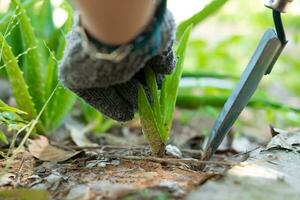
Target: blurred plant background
<point x="217" y="55"/>
<point x="32" y="41"/>
<point x="222" y="46"/>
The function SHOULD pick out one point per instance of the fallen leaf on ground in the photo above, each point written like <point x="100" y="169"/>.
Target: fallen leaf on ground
<point x="78" y="134"/>
<point x="285" y="140"/>
<point x="42" y="150"/>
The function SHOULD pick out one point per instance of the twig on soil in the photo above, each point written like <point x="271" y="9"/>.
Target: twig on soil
<point x="196" y="153"/>
<point x="177" y="162"/>
<point x="106" y="147"/>
<point x="18" y="175"/>
<point x="194" y="163"/>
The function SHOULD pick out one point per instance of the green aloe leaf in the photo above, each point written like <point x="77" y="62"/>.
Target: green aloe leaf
<point x="12" y="109"/>
<point x="207" y="11"/>
<point x="18" y="84"/>
<point x="63" y="100"/>
<point x="13" y="37"/>
<point x="149" y="123"/>
<point x="5" y="20"/>
<point x="45" y="20"/>
<point x="170" y="85"/>
<point x="151" y="83"/>
<point x="60" y="105"/>
<point x="33" y="62"/>
<point x="146" y="114"/>
<point x="16" y="79"/>
<point x="2" y="104"/>
<point x="59" y="44"/>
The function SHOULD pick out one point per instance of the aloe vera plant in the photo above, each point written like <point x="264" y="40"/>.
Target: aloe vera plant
<point x="157" y="115"/>
<point x="33" y="88"/>
<point x="32" y="68"/>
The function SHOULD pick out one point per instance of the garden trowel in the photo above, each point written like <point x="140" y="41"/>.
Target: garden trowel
<point x="261" y="63"/>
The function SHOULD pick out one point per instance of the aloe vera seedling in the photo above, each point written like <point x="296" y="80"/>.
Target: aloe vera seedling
<point x="157" y="113"/>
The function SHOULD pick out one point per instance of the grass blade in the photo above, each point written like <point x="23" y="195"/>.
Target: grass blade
<point x="170" y="86"/>
<point x="204" y="74"/>
<point x="218" y="101"/>
<point x="211" y="8"/>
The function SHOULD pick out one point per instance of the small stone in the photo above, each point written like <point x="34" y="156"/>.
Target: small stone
<point x="40" y="186"/>
<point x="115" y="162"/>
<point x="173" y="151"/>
<point x="172" y="186"/>
<point x="53" y="178"/>
<point x="102" y="164"/>
<point x="79" y="192"/>
<point x="7" y="179"/>
<point x="91" y="164"/>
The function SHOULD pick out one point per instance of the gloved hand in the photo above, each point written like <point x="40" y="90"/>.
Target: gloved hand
<point x="111" y="85"/>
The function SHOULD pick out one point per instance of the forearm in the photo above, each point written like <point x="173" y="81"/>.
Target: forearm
<point x="115" y="22"/>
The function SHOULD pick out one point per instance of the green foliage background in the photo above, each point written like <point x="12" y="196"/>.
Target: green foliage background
<point x="223" y="45"/>
<point x="217" y="54"/>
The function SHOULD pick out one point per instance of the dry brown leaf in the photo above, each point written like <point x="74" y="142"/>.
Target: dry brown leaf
<point x="42" y="150"/>
<point x="78" y="134"/>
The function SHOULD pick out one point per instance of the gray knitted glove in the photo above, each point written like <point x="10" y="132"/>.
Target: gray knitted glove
<point x="111" y="85"/>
